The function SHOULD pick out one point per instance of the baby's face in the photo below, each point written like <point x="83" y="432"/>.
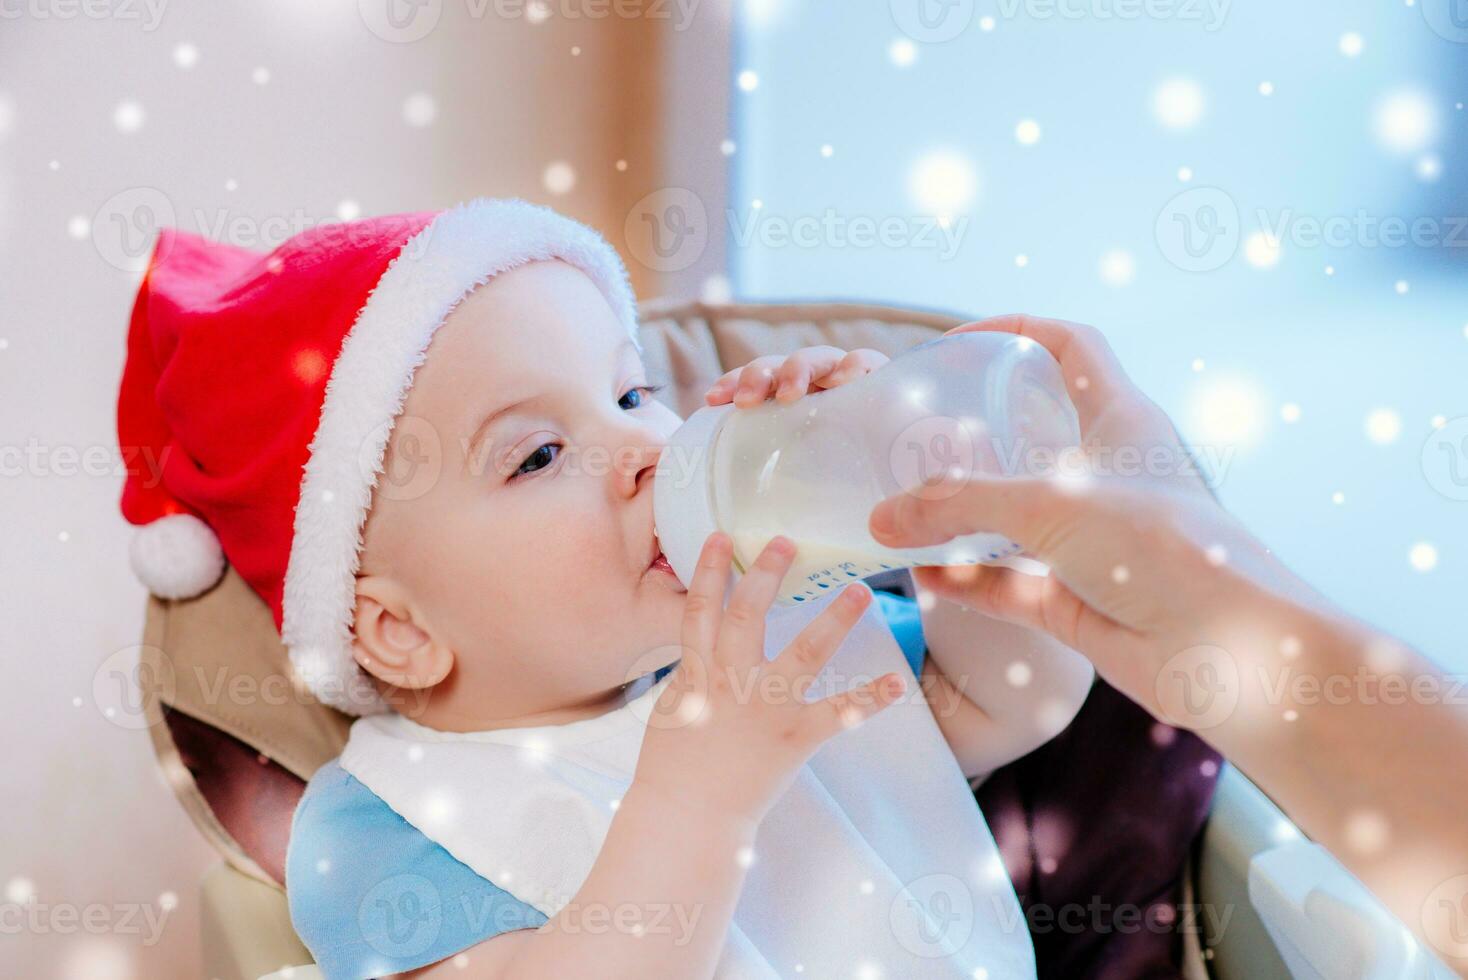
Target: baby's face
<point x="509" y="543"/>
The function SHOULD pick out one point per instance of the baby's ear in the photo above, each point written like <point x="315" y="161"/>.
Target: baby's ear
<point x="390" y="644"/>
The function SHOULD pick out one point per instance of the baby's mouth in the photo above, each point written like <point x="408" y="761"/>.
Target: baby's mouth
<point x="659" y="560"/>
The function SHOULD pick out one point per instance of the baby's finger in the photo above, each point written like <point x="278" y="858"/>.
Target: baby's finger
<point x="853" y="365"/>
<point x="848" y="709"/>
<point x="814" y="645"/>
<point x="704" y="605"/>
<point x="793" y="380"/>
<point x="802" y="367"/>
<point x="755" y="381"/>
<point x="718" y="392"/>
<point x="742" y="629"/>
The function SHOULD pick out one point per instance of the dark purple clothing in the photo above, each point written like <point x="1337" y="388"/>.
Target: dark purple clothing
<point x="1096" y="827"/>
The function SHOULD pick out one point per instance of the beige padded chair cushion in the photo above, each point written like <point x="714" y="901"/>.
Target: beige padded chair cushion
<point x="218" y="656"/>
<point x="691" y="344"/>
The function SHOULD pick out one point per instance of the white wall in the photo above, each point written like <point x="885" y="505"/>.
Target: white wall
<point x="1104" y="176"/>
<point x="89" y="820"/>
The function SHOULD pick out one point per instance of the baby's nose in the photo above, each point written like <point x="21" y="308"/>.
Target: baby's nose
<point x="649" y="465"/>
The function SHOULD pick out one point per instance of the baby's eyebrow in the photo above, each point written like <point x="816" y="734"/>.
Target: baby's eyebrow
<point x="494" y="416"/>
<point x="622" y="349"/>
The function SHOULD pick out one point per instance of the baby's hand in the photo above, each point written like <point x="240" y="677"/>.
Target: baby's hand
<point x="731" y="729"/>
<point x="793" y="376"/>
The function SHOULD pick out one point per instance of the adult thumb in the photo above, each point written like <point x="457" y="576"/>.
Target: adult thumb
<point x="1021" y="509"/>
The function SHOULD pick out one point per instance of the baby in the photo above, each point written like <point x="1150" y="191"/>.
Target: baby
<point x="441" y="482"/>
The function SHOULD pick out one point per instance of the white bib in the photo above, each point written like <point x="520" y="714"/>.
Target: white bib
<point x="876" y="862"/>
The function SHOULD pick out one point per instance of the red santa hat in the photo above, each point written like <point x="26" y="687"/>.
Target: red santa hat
<point x="260" y="391"/>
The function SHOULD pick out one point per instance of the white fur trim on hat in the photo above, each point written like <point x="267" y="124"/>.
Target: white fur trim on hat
<point x="176" y="557"/>
<point x="462" y="248"/>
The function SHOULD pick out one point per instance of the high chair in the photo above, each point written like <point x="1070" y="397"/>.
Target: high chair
<point x="237" y="739"/>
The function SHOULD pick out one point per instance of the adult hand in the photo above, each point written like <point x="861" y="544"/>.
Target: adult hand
<point x="1185" y="612"/>
<point x="1142" y="557"/>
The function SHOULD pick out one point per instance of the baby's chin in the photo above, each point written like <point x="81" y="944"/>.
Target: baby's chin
<point x="656" y="643"/>
<point x="639" y="670"/>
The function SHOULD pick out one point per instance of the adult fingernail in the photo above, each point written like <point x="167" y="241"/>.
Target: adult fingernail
<point x="882" y="524"/>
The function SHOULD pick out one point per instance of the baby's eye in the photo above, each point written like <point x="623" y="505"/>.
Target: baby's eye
<point x="539" y="459"/>
<point x="642" y="392"/>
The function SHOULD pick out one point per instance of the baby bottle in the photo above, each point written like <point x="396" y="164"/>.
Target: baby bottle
<point x="960" y="405"/>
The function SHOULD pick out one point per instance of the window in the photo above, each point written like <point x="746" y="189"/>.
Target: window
<point x="1264" y="205"/>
